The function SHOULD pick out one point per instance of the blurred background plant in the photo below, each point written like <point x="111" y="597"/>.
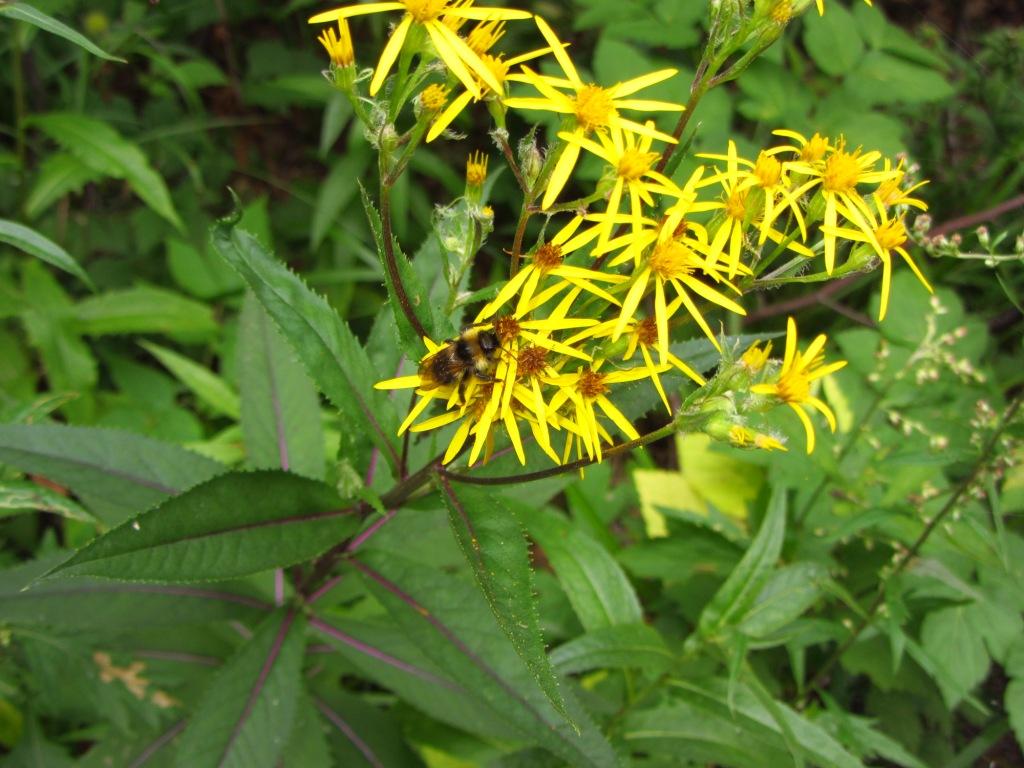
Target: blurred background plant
<point x="882" y="619"/>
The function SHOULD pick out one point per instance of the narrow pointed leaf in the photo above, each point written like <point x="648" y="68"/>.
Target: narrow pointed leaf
<point x="234" y="525"/>
<point x="210" y="388"/>
<point x="21" y="496"/>
<point x="245" y="717"/>
<point x="280" y="406"/>
<point x="26" y="13"/>
<point x="31" y="242"/>
<point x="106" y="151"/>
<point x="494" y="544"/>
<point x="116" y="474"/>
<point x="625" y="646"/>
<point x="320" y="338"/>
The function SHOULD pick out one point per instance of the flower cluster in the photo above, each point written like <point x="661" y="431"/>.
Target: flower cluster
<point x="596" y="297"/>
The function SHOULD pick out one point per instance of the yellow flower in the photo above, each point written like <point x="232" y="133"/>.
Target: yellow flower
<point x="888" y="235"/>
<point x="434" y="97"/>
<point x="837" y="175"/>
<point x="742" y="437"/>
<point x="586" y="390"/>
<point x="592" y="107"/>
<point x="480" y="41"/>
<point x="476" y="169"/>
<point x="821" y="6"/>
<point x="739" y="211"/>
<point x="794" y="383"/>
<point x="891" y="193"/>
<point x="756" y="356"/>
<point x="339" y="47"/>
<point x="430" y="15"/>
<point x="633" y="163"/>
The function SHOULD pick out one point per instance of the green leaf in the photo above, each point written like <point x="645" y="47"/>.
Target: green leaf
<point x="1014" y="702"/>
<point x="31" y="242"/>
<point x="833" y="41"/>
<point x="61" y="173"/>
<point x="234" y="525"/>
<point x="20" y="496"/>
<point x="884" y="79"/>
<point x="735" y="598"/>
<point x="595" y="584"/>
<point x="100" y="604"/>
<point x="143" y="309"/>
<point x="105" y="151"/>
<point x="307" y="746"/>
<point x="244" y="718"/>
<point x="204" y="383"/>
<point x="494" y="544"/>
<point x="953" y="642"/>
<point x="26" y="13"/>
<point x="321" y="339"/>
<point x="280" y="406"/>
<point x="361" y="733"/>
<point x="456" y="630"/>
<point x="434" y="323"/>
<point x="626" y="646"/>
<point x="200" y="273"/>
<point x="788" y="593"/>
<point x="115" y="474"/>
<point x="335" y="193"/>
<point x="34" y="751"/>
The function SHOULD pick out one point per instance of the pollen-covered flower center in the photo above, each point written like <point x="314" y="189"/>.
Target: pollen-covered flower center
<point x="547" y="257"/>
<point x="634" y="164"/>
<point x="782" y="12"/>
<point x="591" y="385"/>
<point x="425" y="10"/>
<point x="506" y="328"/>
<point x="476" y="169"/>
<point x="736" y="205"/>
<point x="532" y="361"/>
<point x="594" y="107"/>
<point x="814" y="149"/>
<point x="434" y="97"/>
<point x="841" y="172"/>
<point x="483" y="36"/>
<point x="892" y="234"/>
<point x="889" y="191"/>
<point x="497" y="66"/>
<point x="647" y="331"/>
<point x="793" y="387"/>
<point x="671" y="259"/>
<point x="768" y="171"/>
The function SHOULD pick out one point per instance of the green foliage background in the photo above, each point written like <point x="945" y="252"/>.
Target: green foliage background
<point x="694" y="604"/>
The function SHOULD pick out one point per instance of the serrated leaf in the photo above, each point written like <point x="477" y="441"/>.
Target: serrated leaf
<point x="19" y="496"/>
<point x="786" y="595"/>
<point x="625" y="646"/>
<point x="456" y="630"/>
<point x="436" y="326"/>
<point x="45" y="22"/>
<point x="31" y="242"/>
<point x="280" y="406"/>
<point x="595" y="584"/>
<point x="106" y="151"/>
<point x="144" y="309"/>
<point x="494" y="543"/>
<point x="101" y="604"/>
<point x="361" y="733"/>
<point x="61" y="173"/>
<point x="116" y="474"/>
<point x="322" y="340"/>
<point x="954" y="643"/>
<point x="204" y="383"/>
<point x="735" y="597"/>
<point x="234" y="525"/>
<point x="246" y="715"/>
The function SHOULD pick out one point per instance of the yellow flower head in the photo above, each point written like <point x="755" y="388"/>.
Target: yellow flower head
<point x="476" y="169"/>
<point x="821" y="6"/>
<point x="434" y="97"/>
<point x="798" y="371"/>
<point x="431" y="15"/>
<point x="339" y="46"/>
<point x="756" y="356"/>
<point x="742" y="437"/>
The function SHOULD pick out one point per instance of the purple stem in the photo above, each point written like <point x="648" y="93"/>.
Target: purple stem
<point x="158" y="744"/>
<point x="361" y="539"/>
<point x="351" y="735"/>
<point x="254" y="694"/>
<point x="369" y="650"/>
<point x="327" y="587"/>
<point x="279" y="586"/>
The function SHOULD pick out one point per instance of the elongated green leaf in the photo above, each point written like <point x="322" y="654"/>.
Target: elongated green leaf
<point x="18" y="496"/>
<point x="322" y="340"/>
<point x="61" y="173"/>
<point x="234" y="525"/>
<point x="732" y="601"/>
<point x="307" y="746"/>
<point x="361" y="733"/>
<point x="143" y="309"/>
<point x="335" y="193"/>
<point x="244" y="718"/>
<point x="34" y="751"/>
<point x="493" y="542"/>
<point x="23" y="12"/>
<point x="31" y="242"/>
<point x="116" y="474"/>
<point x="204" y="383"/>
<point x="456" y="630"/>
<point x="101" y="604"/>
<point x="595" y="584"/>
<point x="106" y="151"/>
<point x="788" y="593"/>
<point x="280" y="406"/>
<point x="625" y="646"/>
<point x="434" y="323"/>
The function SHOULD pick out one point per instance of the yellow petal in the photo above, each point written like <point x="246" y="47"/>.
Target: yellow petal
<point x="390" y="53"/>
